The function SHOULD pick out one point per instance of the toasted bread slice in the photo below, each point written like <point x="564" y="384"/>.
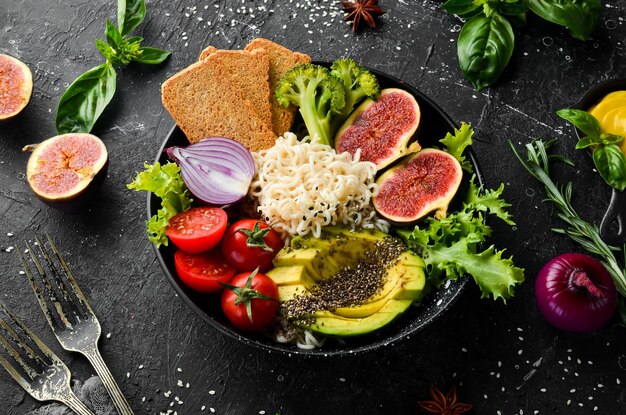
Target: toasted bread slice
<point x="204" y="102"/>
<point x="250" y="72"/>
<point x="206" y="52"/>
<point x="281" y="60"/>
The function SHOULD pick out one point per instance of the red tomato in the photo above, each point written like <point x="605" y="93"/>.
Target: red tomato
<point x="262" y="293"/>
<point x="197" y="229"/>
<point x="249" y="244"/>
<point x="203" y="272"/>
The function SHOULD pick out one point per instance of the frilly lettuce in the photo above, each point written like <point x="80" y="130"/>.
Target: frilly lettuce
<point x="166" y="183"/>
<point x="449" y="246"/>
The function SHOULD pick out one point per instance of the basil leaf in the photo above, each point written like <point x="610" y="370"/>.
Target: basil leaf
<point x="130" y="14"/>
<point x="582" y="120"/>
<point x="608" y="138"/>
<point x="513" y="8"/>
<point x="151" y="56"/>
<point x="460" y="7"/>
<point x="105" y="49"/>
<point x="484" y="47"/>
<point x="611" y="164"/>
<point x="515" y="12"/>
<point x="580" y="17"/>
<point x="584" y="143"/>
<point x="113" y="35"/>
<point x="134" y="39"/>
<point x="85" y="99"/>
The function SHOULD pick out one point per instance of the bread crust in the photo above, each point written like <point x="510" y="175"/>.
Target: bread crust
<point x="281" y="61"/>
<point x="204" y="102"/>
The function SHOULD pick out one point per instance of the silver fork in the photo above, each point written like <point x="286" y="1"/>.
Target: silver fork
<point x="43" y="375"/>
<point x="70" y="316"/>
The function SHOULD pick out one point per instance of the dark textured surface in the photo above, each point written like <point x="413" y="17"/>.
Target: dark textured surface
<point x="503" y="359"/>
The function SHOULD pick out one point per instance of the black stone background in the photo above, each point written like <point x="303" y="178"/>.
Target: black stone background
<point x="505" y="359"/>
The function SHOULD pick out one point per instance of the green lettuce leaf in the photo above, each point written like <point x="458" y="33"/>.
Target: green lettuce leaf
<point x="450" y="245"/>
<point x="489" y="200"/>
<point x="456" y="143"/>
<point x="166" y="183"/>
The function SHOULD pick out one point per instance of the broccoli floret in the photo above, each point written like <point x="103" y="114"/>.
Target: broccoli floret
<point x="358" y="83"/>
<point x="319" y="96"/>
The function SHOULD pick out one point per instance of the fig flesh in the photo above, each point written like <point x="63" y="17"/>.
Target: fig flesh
<point x="382" y="129"/>
<point x="16" y="86"/>
<point x="65" y="170"/>
<point x="424" y="182"/>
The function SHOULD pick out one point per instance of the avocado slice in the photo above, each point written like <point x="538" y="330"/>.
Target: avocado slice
<point x="326" y="256"/>
<point x="308" y="261"/>
<point x="334" y="325"/>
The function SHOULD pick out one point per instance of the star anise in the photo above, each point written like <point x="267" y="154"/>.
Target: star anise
<point x="360" y="11"/>
<point x="444" y="404"/>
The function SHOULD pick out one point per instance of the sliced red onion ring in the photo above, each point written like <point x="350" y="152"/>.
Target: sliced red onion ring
<point x="216" y="170"/>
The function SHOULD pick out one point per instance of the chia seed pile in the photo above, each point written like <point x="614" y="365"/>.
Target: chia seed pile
<point x="349" y="287"/>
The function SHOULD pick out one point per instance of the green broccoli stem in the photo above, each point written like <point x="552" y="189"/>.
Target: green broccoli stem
<point x="316" y="126"/>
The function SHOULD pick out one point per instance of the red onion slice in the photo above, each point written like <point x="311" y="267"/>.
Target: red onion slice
<point x="216" y="170"/>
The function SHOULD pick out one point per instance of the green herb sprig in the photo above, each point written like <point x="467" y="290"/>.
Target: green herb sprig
<point x="86" y="98"/>
<point x="607" y="156"/>
<point x="486" y="41"/>
<point x="450" y="245"/>
<point x="583" y="233"/>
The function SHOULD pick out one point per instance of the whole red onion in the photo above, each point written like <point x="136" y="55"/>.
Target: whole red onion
<point x="576" y="293"/>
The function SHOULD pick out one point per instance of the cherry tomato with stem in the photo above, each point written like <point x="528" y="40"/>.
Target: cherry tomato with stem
<point x="249" y="244"/>
<point x="203" y="272"/>
<point x="250" y="301"/>
<point x="197" y="229"/>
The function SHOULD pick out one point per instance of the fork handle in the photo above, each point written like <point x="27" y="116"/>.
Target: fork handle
<point x="109" y="383"/>
<point x="76" y="405"/>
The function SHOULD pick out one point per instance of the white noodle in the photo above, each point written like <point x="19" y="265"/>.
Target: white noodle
<point x="303" y="186"/>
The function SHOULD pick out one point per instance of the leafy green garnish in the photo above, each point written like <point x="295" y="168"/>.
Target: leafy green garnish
<point x="607" y="156"/>
<point x="486" y="40"/>
<point x="449" y="246"/>
<point x="166" y="183"/>
<point x="84" y="100"/>
<point x="457" y="143"/>
<point x="485" y="47"/>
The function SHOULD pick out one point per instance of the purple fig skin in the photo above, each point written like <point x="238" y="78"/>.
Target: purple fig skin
<point x="90" y="176"/>
<point x="422" y="183"/>
<point x="16" y="86"/>
<point x="381" y="129"/>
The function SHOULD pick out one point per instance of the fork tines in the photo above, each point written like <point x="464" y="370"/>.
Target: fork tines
<point x="59" y="296"/>
<point x="30" y="353"/>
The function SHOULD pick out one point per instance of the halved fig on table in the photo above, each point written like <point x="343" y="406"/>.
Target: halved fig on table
<point x="65" y="170"/>
<point x="424" y="182"/>
<point x="382" y="129"/>
<point x="16" y="86"/>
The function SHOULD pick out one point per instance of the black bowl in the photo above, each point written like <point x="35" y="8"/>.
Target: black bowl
<point x="613" y="225"/>
<point x="435" y="124"/>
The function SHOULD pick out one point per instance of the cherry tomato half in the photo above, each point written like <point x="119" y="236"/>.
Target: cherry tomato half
<point x="197" y="229"/>
<point x="203" y="272"/>
<point x="262" y="293"/>
<point x="249" y="244"/>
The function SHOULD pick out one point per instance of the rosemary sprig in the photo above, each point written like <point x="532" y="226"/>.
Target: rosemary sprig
<point x="580" y="231"/>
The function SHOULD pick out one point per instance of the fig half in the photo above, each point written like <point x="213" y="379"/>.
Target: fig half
<point x="65" y="170"/>
<point x="16" y="86"/>
<point x="424" y="182"/>
<point x="382" y="129"/>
